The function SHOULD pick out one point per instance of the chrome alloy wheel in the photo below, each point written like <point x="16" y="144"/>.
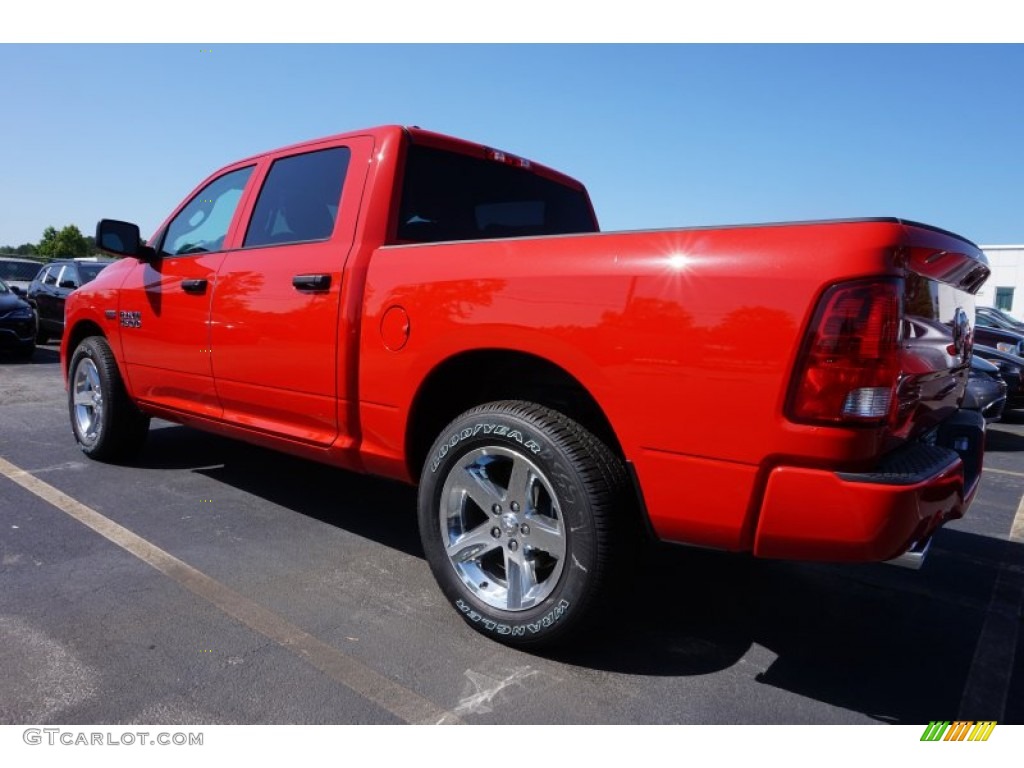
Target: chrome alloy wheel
<point x="502" y="528"/>
<point x="87" y="396"/>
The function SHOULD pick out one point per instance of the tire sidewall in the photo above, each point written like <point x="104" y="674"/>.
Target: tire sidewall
<point x="569" y="599"/>
<point x="88" y="349"/>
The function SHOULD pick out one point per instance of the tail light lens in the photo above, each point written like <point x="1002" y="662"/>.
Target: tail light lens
<point x="850" y="365"/>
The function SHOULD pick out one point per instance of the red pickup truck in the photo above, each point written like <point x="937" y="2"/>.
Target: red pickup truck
<point x="412" y="305"/>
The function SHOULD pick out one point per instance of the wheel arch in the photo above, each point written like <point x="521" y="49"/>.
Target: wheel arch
<point x="472" y="378"/>
<point x="74" y="336"/>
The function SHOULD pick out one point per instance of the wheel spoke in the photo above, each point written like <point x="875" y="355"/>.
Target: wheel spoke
<point x="84" y="397"/>
<point x="483" y="493"/>
<point x="520" y="481"/>
<point x="521" y="579"/>
<point x="472" y="544"/>
<point x="546" y="535"/>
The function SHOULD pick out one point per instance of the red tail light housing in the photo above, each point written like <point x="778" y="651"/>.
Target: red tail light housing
<point x="850" y="363"/>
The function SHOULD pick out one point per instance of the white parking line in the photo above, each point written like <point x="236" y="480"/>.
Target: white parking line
<point x="399" y="701"/>
<point x="1004" y="471"/>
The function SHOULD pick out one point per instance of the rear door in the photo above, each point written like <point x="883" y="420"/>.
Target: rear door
<point x="275" y="330"/>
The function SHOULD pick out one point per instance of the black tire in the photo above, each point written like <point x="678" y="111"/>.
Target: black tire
<point x="106" y="423"/>
<point x="513" y="488"/>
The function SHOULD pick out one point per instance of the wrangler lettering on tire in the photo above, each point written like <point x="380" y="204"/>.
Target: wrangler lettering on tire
<point x="515" y="508"/>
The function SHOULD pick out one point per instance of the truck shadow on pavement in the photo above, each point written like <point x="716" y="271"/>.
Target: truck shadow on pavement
<point x="895" y="645"/>
<point x="42" y="356"/>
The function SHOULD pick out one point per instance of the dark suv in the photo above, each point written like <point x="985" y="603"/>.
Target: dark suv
<point x="52" y="286"/>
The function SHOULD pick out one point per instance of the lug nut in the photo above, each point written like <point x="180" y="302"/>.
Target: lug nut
<point x="496" y="509"/>
<point x="496" y="532"/>
<point x="524" y="529"/>
<point x="515" y="506"/>
<point x="513" y="545"/>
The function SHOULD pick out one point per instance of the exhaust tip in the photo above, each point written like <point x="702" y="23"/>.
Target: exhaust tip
<point x="914" y="557"/>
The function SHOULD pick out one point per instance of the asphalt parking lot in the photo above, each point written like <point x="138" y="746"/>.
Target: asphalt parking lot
<point x="215" y="582"/>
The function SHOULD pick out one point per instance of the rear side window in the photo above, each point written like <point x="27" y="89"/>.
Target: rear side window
<point x="450" y="196"/>
<point x="299" y="200"/>
<point x="89" y="271"/>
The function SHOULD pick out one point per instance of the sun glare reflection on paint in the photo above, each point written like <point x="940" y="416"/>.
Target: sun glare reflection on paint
<point x="678" y="261"/>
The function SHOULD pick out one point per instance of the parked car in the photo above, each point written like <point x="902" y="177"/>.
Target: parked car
<point x="996" y="318"/>
<point x="17" y="323"/>
<point x="1000" y="339"/>
<point x="51" y="287"/>
<point x="986" y="390"/>
<point x="1011" y="369"/>
<point x="18" y="273"/>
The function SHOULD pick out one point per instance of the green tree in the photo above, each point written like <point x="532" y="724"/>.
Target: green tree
<point x="68" y="243"/>
<point x="25" y="249"/>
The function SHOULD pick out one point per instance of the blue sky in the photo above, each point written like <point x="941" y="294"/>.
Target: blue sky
<point x="663" y="135"/>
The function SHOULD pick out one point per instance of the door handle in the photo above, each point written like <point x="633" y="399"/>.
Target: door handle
<point x="194" y="286"/>
<point x="312" y="282"/>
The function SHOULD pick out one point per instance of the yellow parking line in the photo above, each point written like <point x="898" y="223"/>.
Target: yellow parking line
<point x="1017" y="527"/>
<point x="396" y="699"/>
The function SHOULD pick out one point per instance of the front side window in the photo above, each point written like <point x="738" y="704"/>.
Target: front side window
<point x="50" y="276"/>
<point x="300" y="198"/>
<point x="68" y="278"/>
<point x="202" y="225"/>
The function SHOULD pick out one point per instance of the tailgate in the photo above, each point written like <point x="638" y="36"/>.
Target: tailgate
<point x="942" y="274"/>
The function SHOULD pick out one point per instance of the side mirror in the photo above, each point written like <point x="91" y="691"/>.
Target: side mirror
<point x="68" y="284"/>
<point x="18" y="290"/>
<point x="121" y="238"/>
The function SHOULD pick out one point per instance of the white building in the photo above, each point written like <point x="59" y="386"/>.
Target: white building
<point x="1005" y="286"/>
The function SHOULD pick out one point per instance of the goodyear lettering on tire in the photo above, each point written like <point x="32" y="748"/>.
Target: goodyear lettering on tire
<point x="499" y="430"/>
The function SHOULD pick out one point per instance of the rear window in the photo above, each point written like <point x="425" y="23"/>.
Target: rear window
<point x="449" y="196"/>
<point x="18" y="270"/>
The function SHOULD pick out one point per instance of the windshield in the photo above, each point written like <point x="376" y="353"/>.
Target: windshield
<point x="19" y="270"/>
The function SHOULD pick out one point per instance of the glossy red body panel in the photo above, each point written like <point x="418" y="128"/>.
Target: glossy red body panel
<point x="687" y="340"/>
<point x="849" y="521"/>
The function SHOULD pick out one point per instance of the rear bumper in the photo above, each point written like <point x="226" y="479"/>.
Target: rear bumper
<point x="814" y="514"/>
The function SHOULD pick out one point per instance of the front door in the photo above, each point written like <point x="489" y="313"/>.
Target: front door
<point x="164" y="310"/>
